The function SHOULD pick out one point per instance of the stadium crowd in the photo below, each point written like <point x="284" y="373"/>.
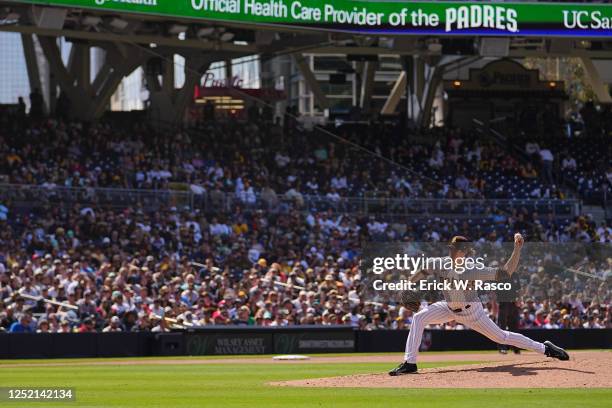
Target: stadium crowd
<point x="130" y="270"/>
<point x="135" y="268"/>
<point x="264" y="158"/>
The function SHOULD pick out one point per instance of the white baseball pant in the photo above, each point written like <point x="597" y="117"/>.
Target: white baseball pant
<point x="474" y="317"/>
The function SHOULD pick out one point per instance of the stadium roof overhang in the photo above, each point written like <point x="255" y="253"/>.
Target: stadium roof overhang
<point x="532" y="29"/>
<point x="432" y="34"/>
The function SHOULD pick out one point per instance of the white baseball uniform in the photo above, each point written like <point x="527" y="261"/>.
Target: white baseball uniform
<point x="465" y="307"/>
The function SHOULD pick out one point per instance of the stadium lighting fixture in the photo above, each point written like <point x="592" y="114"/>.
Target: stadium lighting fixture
<point x="9" y="15"/>
<point x="434" y="47"/>
<point x="177" y="29"/>
<point x="206" y="32"/>
<point x="91" y="21"/>
<point x="385" y="42"/>
<point x="118" y="23"/>
<point x="225" y="37"/>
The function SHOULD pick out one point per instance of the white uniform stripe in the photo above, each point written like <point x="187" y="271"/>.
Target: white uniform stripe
<point x="474" y="317"/>
<point x="435" y="313"/>
<point x="487" y="327"/>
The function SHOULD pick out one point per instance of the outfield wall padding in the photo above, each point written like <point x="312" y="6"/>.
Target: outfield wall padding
<point x="69" y="345"/>
<point x="449" y="340"/>
<point x="264" y="340"/>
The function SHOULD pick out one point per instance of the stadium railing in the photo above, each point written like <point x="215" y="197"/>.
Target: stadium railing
<point x="36" y="196"/>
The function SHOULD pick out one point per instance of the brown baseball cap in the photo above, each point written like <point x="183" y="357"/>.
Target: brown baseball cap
<point x="460" y="243"/>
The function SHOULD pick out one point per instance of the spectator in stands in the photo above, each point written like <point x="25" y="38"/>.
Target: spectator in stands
<point x="21" y="111"/>
<point x="36" y="105"/>
<point x="114" y="326"/>
<point x="43" y="326"/>
<point x="22" y="325"/>
<point x="547" y="159"/>
<point x="568" y="163"/>
<point x="528" y="171"/>
<point x="135" y="265"/>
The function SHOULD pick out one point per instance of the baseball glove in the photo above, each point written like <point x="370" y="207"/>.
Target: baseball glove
<point x="411" y="300"/>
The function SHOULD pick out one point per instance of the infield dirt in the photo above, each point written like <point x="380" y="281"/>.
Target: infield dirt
<point x="584" y="370"/>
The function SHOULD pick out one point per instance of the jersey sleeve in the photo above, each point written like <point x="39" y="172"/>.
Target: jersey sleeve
<point x="486" y="274"/>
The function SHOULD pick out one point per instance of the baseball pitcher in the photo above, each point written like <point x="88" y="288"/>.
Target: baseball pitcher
<point x="464" y="306"/>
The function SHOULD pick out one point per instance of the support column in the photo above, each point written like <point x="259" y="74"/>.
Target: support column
<point x="195" y="67"/>
<point x="169" y="75"/>
<point x="367" y="85"/>
<point x="169" y="104"/>
<point x="419" y="81"/>
<point x="411" y="79"/>
<point x="429" y="94"/>
<point x="89" y="100"/>
<point x="599" y="87"/>
<point x="79" y="64"/>
<point x="311" y="80"/>
<point x="29" y="52"/>
<point x="228" y="70"/>
<point x="119" y="66"/>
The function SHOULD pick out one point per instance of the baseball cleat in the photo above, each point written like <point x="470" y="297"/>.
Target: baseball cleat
<point x="555" y="351"/>
<point x="404" y="368"/>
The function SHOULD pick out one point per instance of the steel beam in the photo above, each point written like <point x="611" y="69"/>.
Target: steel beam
<point x="367" y="85"/>
<point x="195" y="67"/>
<point x="56" y="65"/>
<point x="79" y="64"/>
<point x="398" y="90"/>
<point x="29" y="51"/>
<point x="169" y="104"/>
<point x="121" y="67"/>
<point x="311" y="80"/>
<point x="89" y="100"/>
<point x="131" y="39"/>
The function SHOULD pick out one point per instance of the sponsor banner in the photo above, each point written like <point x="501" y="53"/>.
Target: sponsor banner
<point x="198" y="344"/>
<point x="381" y="17"/>
<point x="314" y="341"/>
<point x="208" y="341"/>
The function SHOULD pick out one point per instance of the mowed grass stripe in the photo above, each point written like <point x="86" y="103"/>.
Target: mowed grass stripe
<point x="246" y="356"/>
<point x="226" y="357"/>
<point x="244" y="385"/>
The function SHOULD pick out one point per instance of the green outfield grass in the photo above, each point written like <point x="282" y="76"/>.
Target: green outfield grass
<point x="244" y="385"/>
<point x="228" y="357"/>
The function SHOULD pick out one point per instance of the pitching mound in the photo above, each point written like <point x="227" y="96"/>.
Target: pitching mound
<point x="584" y="370"/>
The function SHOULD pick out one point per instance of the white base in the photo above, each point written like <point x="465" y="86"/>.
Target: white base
<point x="291" y="357"/>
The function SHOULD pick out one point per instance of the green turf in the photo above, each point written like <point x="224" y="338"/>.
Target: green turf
<point x="242" y="356"/>
<point x="244" y="385"/>
<point x="229" y="357"/>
